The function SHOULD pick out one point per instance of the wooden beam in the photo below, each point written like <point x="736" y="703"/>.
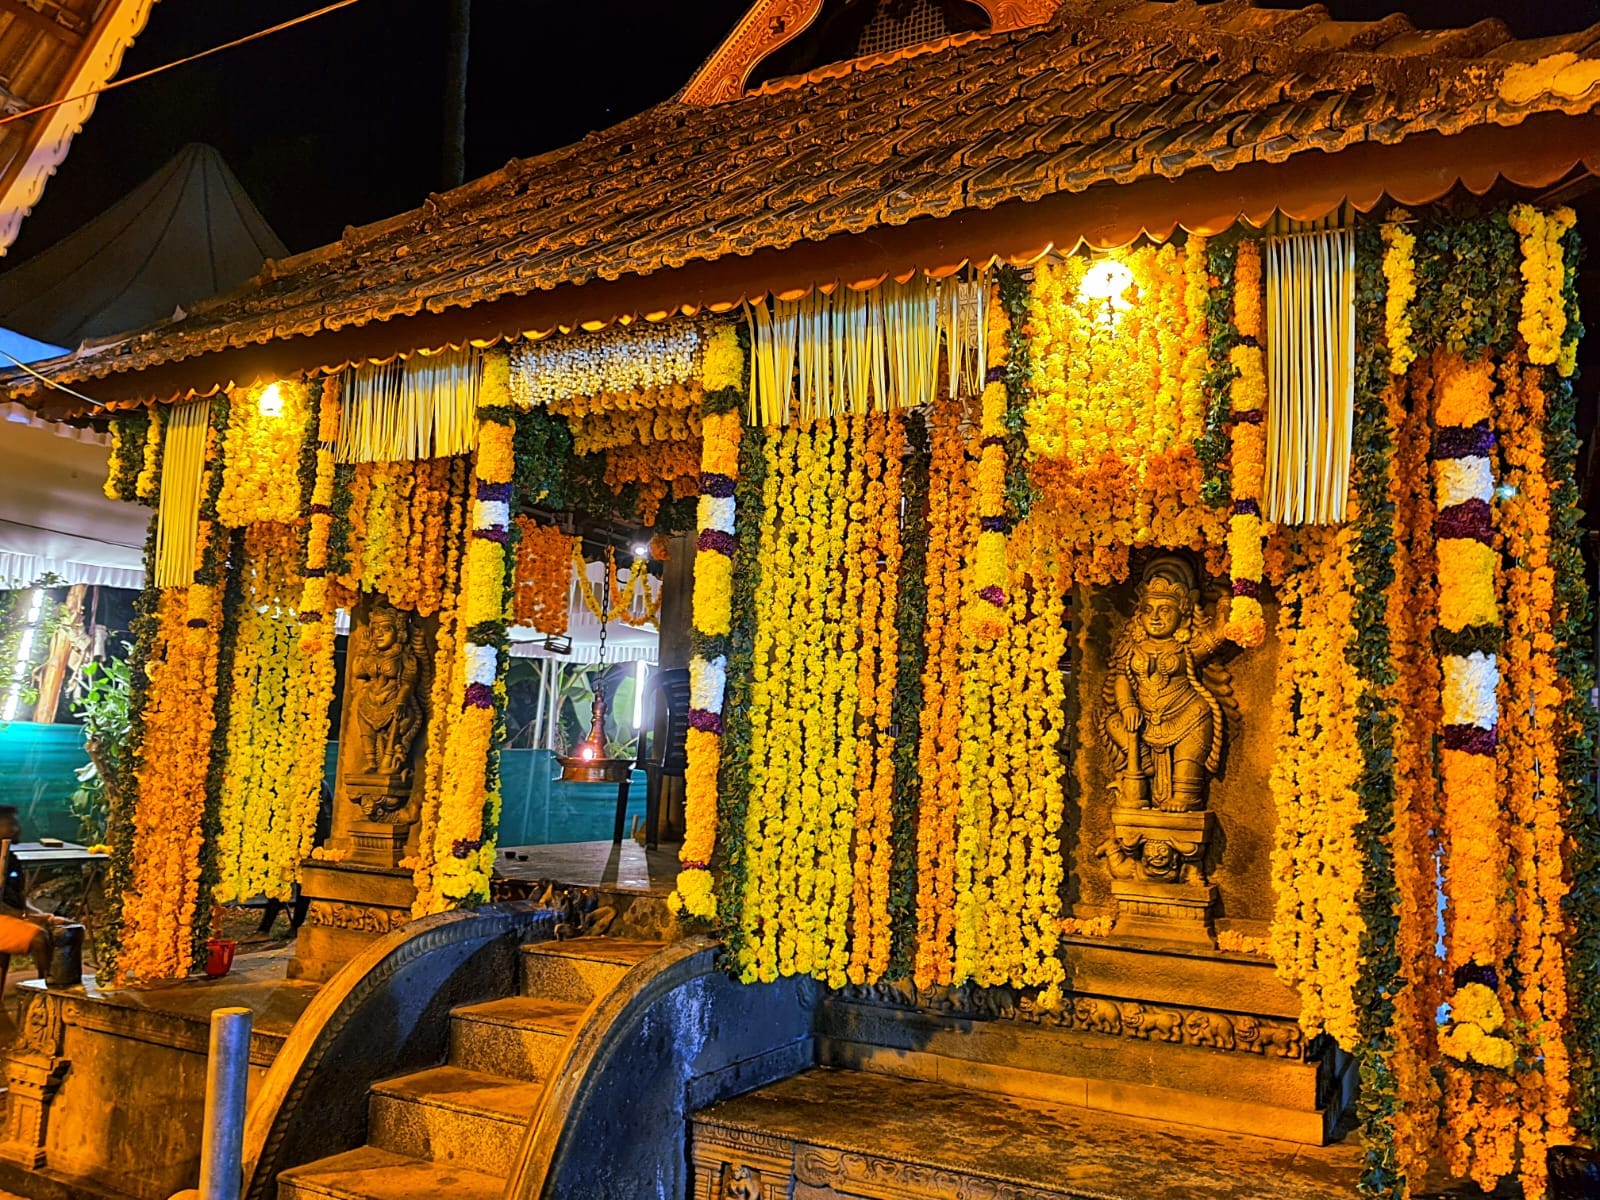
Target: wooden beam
<point x="35" y="19"/>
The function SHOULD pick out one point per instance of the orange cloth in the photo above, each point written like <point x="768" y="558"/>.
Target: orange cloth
<point x="16" y="935"/>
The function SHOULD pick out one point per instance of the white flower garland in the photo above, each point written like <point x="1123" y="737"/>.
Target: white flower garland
<point x="626" y="359"/>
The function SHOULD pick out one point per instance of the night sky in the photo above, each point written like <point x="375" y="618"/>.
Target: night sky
<point x="337" y="122"/>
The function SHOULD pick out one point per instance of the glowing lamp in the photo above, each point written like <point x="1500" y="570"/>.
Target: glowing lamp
<point x="1106" y="282"/>
<point x="586" y="752"/>
<point x="270" y="402"/>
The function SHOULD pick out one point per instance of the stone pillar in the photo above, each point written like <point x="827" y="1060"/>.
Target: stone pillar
<point x="34" y="1070"/>
<point x="359" y="890"/>
<point x="675" y="649"/>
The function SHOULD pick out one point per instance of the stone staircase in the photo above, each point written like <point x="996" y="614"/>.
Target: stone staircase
<point x="458" y="1127"/>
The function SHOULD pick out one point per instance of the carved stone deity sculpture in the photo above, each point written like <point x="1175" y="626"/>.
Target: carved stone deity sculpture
<point x="387" y="671"/>
<point x="1162" y="720"/>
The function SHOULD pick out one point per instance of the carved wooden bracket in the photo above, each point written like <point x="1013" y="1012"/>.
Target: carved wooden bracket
<point x="773" y="24"/>
<point x="768" y="26"/>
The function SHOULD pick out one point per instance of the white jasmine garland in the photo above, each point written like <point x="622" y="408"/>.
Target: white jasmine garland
<point x="708" y="681"/>
<point x="1463" y="479"/>
<point x="624" y="359"/>
<point x="490" y="514"/>
<point x="481" y="664"/>
<point x="715" y="512"/>
<point x="1470" y="682"/>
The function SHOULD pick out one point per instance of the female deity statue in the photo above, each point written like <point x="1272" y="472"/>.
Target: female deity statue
<point x="387" y="671"/>
<point x="1160" y="715"/>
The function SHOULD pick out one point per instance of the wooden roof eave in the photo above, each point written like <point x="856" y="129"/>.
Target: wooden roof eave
<point x="1537" y="153"/>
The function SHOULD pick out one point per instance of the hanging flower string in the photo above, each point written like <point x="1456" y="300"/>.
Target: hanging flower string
<point x="724" y="377"/>
<point x="986" y="611"/>
<point x="1248" y="397"/>
<point x="469" y="803"/>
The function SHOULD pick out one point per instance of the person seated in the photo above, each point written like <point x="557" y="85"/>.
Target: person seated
<point x="24" y="929"/>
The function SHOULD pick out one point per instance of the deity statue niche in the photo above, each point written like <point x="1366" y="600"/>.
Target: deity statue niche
<point x="387" y="671"/>
<point x="1162" y="718"/>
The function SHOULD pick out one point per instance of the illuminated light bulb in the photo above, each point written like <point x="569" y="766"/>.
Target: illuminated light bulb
<point x="1106" y="281"/>
<point x="270" y="403"/>
<point x="641" y="549"/>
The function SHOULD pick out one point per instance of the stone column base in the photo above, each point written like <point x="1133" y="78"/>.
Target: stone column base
<point x="1165" y="912"/>
<point x="352" y="905"/>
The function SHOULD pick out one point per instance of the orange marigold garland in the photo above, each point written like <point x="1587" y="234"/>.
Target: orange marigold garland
<point x="1417" y="693"/>
<point x="878" y="550"/>
<point x="1531" y="785"/>
<point x="1248" y="397"/>
<point x="950" y="538"/>
<point x="542" y="587"/>
<point x="175" y="755"/>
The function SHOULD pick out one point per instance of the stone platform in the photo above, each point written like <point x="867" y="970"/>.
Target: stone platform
<point x="107" y="1086"/>
<point x="847" y="1135"/>
<point x="628" y="867"/>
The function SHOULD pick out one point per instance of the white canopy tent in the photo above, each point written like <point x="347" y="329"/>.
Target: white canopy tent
<point x="54" y="517"/>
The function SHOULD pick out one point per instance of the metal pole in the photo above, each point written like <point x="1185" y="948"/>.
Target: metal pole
<point x="227" y="1072"/>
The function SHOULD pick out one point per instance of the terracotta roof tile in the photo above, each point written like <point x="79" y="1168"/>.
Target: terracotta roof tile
<point x="1107" y="91"/>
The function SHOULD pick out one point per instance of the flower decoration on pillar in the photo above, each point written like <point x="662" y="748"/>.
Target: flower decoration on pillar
<point x="722" y="428"/>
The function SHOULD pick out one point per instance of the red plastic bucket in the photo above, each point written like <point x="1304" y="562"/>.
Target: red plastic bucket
<point x="219" y="957"/>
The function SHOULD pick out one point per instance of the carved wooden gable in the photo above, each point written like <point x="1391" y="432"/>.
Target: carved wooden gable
<point x="771" y="25"/>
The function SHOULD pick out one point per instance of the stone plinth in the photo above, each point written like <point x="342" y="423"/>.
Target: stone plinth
<point x="1195" y="1039"/>
<point x="352" y="904"/>
<point x="107" y="1087"/>
<point x="845" y="1135"/>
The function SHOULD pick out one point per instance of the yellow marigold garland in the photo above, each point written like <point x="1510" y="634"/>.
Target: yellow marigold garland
<point x="877" y="514"/>
<point x="261" y="454"/>
<point x="262" y="838"/>
<point x="1400" y="278"/>
<point x="1543" y="324"/>
<point x="1316" y="862"/>
<point x="145" y="486"/>
<point x="1115" y="407"/>
<point x="461" y="854"/>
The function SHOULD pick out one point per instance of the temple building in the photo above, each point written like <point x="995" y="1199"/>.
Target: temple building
<point x="1093" y="492"/>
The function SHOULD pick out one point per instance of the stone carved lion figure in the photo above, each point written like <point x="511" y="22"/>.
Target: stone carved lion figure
<point x="1152" y="1024"/>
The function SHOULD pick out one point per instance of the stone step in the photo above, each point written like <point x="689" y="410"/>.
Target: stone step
<point x="450" y="1115"/>
<point x="581" y="969"/>
<point x="373" y="1174"/>
<point x="851" y="1134"/>
<point x="519" y="1037"/>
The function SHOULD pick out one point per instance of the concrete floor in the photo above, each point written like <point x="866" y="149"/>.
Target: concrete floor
<point x="628" y="867"/>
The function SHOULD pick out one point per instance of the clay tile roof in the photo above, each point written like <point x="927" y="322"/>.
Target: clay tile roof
<point x="1104" y="92"/>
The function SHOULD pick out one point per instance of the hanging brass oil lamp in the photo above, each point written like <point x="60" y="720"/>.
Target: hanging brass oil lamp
<point x="588" y="762"/>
